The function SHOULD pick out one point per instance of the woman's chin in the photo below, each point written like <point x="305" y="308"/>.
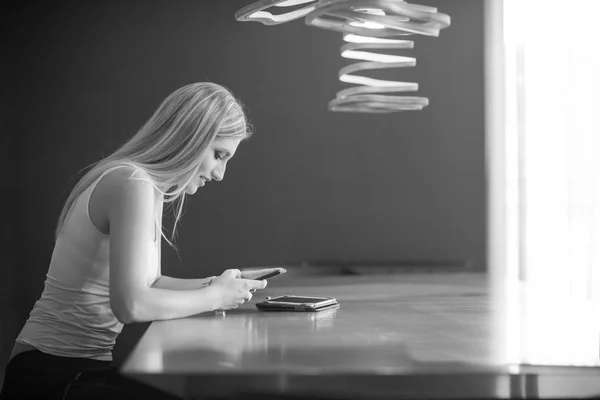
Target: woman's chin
<point x="191" y="189"/>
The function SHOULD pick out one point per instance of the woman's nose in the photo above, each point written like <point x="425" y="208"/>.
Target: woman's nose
<point x="218" y="173"/>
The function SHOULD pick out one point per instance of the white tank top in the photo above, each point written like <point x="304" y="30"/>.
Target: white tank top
<point x="73" y="317"/>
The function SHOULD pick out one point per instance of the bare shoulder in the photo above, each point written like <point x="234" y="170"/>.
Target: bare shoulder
<point x="118" y="190"/>
<point x="128" y="185"/>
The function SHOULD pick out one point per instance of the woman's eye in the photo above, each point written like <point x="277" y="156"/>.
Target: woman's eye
<point x="218" y="155"/>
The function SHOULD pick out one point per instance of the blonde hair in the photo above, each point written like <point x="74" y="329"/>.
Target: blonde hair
<point x="168" y="147"/>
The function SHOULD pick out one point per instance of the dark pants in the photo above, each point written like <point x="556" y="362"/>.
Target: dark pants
<point x="37" y="375"/>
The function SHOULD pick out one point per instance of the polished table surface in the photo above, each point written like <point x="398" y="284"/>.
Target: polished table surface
<point x="394" y="336"/>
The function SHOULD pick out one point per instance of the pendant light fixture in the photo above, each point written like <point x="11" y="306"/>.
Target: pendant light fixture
<point x="371" y="29"/>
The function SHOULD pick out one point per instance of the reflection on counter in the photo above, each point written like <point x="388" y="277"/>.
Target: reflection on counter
<point x="232" y="339"/>
<point x="430" y="334"/>
<point x="381" y="328"/>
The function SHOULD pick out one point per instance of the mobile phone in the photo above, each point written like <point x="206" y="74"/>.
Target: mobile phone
<point x="269" y="275"/>
<point x="297" y="303"/>
<point x="291" y="300"/>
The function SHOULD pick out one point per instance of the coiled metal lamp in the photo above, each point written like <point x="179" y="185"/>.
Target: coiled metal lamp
<point x="371" y="28"/>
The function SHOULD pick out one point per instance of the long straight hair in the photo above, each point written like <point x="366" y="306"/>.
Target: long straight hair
<point x="170" y="146"/>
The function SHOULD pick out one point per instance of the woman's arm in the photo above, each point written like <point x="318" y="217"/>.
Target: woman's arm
<point x="154" y="304"/>
<point x="228" y="291"/>
<point x="131" y="220"/>
<point x="167" y="282"/>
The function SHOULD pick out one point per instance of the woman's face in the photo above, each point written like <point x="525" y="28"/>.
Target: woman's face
<point x="214" y="163"/>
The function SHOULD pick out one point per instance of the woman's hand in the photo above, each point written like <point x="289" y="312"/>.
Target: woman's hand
<point x="234" y="289"/>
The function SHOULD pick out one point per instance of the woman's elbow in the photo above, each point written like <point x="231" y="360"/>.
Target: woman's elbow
<point x="127" y="311"/>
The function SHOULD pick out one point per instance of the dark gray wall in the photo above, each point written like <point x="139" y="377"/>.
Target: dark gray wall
<point x="10" y="315"/>
<point x="311" y="184"/>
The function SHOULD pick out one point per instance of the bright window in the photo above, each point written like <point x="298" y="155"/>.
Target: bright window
<point x="545" y="173"/>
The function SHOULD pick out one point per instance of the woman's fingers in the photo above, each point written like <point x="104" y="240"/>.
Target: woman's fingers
<point x="236" y="273"/>
<point x="237" y="290"/>
<point x="250" y="284"/>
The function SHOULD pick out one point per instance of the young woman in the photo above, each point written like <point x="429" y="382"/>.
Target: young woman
<point x="105" y="268"/>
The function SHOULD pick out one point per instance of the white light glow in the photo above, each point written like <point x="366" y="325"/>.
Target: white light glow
<point x="363" y="80"/>
<point x="290" y="3"/>
<point x="551" y="178"/>
<point x="382" y="58"/>
<point x="281" y="18"/>
<point x="367" y="24"/>
<point x="352" y="38"/>
<point x="372" y="11"/>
